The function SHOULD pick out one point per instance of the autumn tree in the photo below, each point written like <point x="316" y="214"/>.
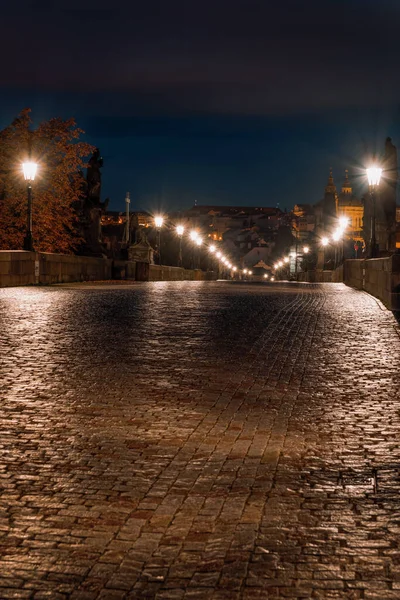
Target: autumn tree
<point x="57" y="189"/>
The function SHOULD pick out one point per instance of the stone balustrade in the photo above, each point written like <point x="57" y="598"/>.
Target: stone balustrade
<point x="18" y="267"/>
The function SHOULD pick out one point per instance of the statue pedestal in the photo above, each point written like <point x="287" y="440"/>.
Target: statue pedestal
<point x="141" y="252"/>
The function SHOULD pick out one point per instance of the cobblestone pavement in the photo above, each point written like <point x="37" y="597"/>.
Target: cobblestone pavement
<point x="199" y="440"/>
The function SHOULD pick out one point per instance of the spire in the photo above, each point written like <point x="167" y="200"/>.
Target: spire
<point x="346" y="187"/>
<point x="330" y="188"/>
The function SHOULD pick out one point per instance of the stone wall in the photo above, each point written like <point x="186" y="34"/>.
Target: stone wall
<point x="315" y="276"/>
<point x="380" y="277"/>
<point x="165" y="273"/>
<point x="354" y="273"/>
<point x="18" y="267"/>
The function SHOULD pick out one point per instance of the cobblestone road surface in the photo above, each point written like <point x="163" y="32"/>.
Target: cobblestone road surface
<point x="199" y="440"/>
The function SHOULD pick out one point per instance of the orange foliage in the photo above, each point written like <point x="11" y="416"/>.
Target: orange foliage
<point x="57" y="188"/>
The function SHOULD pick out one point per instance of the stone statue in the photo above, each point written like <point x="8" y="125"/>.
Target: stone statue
<point x="141" y="250"/>
<point x="92" y="208"/>
<point x="140" y="236"/>
<point x="93" y="177"/>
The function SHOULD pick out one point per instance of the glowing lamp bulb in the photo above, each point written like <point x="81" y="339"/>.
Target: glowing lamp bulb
<point x="180" y="229"/>
<point x="29" y="169"/>
<point x="374" y="175"/>
<point x="158" y="221"/>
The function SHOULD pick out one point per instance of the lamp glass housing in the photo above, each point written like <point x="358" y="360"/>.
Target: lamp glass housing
<point x="374" y="175"/>
<point x="29" y="170"/>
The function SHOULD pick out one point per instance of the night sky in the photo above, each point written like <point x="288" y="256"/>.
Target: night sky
<point x="223" y="101"/>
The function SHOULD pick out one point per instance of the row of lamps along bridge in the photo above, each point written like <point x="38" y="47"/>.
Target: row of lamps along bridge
<point x="373" y="173"/>
<point x="196" y="238"/>
<point x="374" y="176"/>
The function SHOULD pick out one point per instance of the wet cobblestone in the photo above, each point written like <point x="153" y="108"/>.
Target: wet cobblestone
<point x="199" y="440"/>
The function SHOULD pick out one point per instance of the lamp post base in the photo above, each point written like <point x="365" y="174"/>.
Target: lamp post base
<point x="374" y="251"/>
<point x="28" y="242"/>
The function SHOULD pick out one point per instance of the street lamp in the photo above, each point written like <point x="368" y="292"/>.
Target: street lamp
<point x="343" y="222"/>
<point x="324" y="243"/>
<point x="158" y="222"/>
<point x="374" y="177"/>
<point x="29" y="170"/>
<point x="179" y="230"/>
<point x="337" y="235"/>
<point x="199" y="242"/>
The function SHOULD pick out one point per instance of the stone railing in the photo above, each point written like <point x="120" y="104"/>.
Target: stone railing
<point x="18" y="267"/>
<point x="380" y="277"/>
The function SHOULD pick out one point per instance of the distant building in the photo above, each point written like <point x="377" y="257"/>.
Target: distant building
<point x="352" y="208"/>
<point x="334" y="205"/>
<point x="215" y="221"/>
<point x="302" y="222"/>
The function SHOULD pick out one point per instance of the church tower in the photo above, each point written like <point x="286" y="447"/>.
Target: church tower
<point x="330" y="188"/>
<point x="329" y="204"/>
<point x="352" y="208"/>
<point x="346" y="187"/>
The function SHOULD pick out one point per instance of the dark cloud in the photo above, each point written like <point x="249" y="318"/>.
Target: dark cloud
<point x="243" y="57"/>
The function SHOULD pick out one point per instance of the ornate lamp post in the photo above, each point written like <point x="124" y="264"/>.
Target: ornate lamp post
<point x="199" y="242"/>
<point x="193" y="235"/>
<point x="374" y="176"/>
<point x="324" y="244"/>
<point x="336" y="237"/>
<point x="343" y="224"/>
<point x="29" y="170"/>
<point x="179" y="230"/>
<point x="158" y="222"/>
